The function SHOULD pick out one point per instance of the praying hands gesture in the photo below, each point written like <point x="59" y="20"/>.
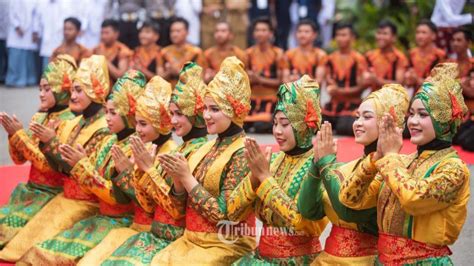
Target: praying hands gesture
<point x="390" y="137"/>
<point x="70" y="155"/>
<point x="43" y="133"/>
<point x="258" y="161"/>
<point x="177" y="167"/>
<point x="323" y="143"/>
<point x="144" y="159"/>
<point x="122" y="162"/>
<point x="11" y="124"/>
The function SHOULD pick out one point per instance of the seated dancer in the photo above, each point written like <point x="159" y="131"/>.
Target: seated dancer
<point x="118" y="54"/>
<point x="154" y="131"/>
<point x="204" y="185"/>
<point x="421" y="198"/>
<point x="147" y="55"/>
<point x="465" y="135"/>
<point x="306" y="59"/>
<point x="43" y="182"/>
<point x="90" y="87"/>
<point x="462" y="40"/>
<point x="345" y="67"/>
<point x="353" y="237"/>
<point x="70" y="46"/>
<point x="386" y="64"/>
<point x="223" y="48"/>
<point x="424" y="56"/>
<point x="272" y="187"/>
<point x="96" y="173"/>
<point x="177" y="54"/>
<point x="154" y="185"/>
<point x="265" y="67"/>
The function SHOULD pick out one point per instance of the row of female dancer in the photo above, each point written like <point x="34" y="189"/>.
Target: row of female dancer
<point x="108" y="184"/>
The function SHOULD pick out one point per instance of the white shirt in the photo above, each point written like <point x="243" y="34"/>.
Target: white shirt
<point x="447" y="13"/>
<point x="327" y="11"/>
<point x="50" y="22"/>
<point x="4" y="6"/>
<point x="21" y="14"/>
<point x="94" y="14"/>
<point x="190" y="10"/>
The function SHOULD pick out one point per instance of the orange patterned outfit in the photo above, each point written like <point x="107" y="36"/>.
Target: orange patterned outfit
<point x="178" y="56"/>
<point x="385" y="65"/>
<point x="345" y="71"/>
<point x="148" y="59"/>
<point x="464" y="136"/>
<point x="214" y="56"/>
<point x="266" y="64"/>
<point x="423" y="61"/>
<point x="113" y="53"/>
<point x="305" y="62"/>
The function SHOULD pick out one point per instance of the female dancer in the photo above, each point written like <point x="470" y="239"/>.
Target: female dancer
<point x="214" y="170"/>
<point x="353" y="237"/>
<point x="154" y="186"/>
<point x="90" y="88"/>
<point x="421" y="198"/>
<point x="43" y="182"/>
<point x="271" y="189"/>
<point x="96" y="173"/>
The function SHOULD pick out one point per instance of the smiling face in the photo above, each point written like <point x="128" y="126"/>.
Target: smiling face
<point x="145" y="130"/>
<point x="384" y="37"/>
<point x="79" y="99"/>
<point x="216" y="121"/>
<point x="283" y="132"/>
<point x="46" y="95"/>
<point x="180" y="122"/>
<point x="420" y="124"/>
<point x="365" y="127"/>
<point x="114" y="120"/>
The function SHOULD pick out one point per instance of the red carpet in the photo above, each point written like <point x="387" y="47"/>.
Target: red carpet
<point x="10" y="176"/>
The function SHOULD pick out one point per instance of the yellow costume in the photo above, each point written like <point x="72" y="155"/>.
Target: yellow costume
<point x="353" y="237"/>
<point x="97" y="174"/>
<point x="43" y="182"/>
<point x="87" y="130"/>
<point x="218" y="166"/>
<point x="421" y="198"/>
<point x="152" y="188"/>
<point x="153" y="106"/>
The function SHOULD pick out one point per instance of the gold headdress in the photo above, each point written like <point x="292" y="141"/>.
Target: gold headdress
<point x="230" y="89"/>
